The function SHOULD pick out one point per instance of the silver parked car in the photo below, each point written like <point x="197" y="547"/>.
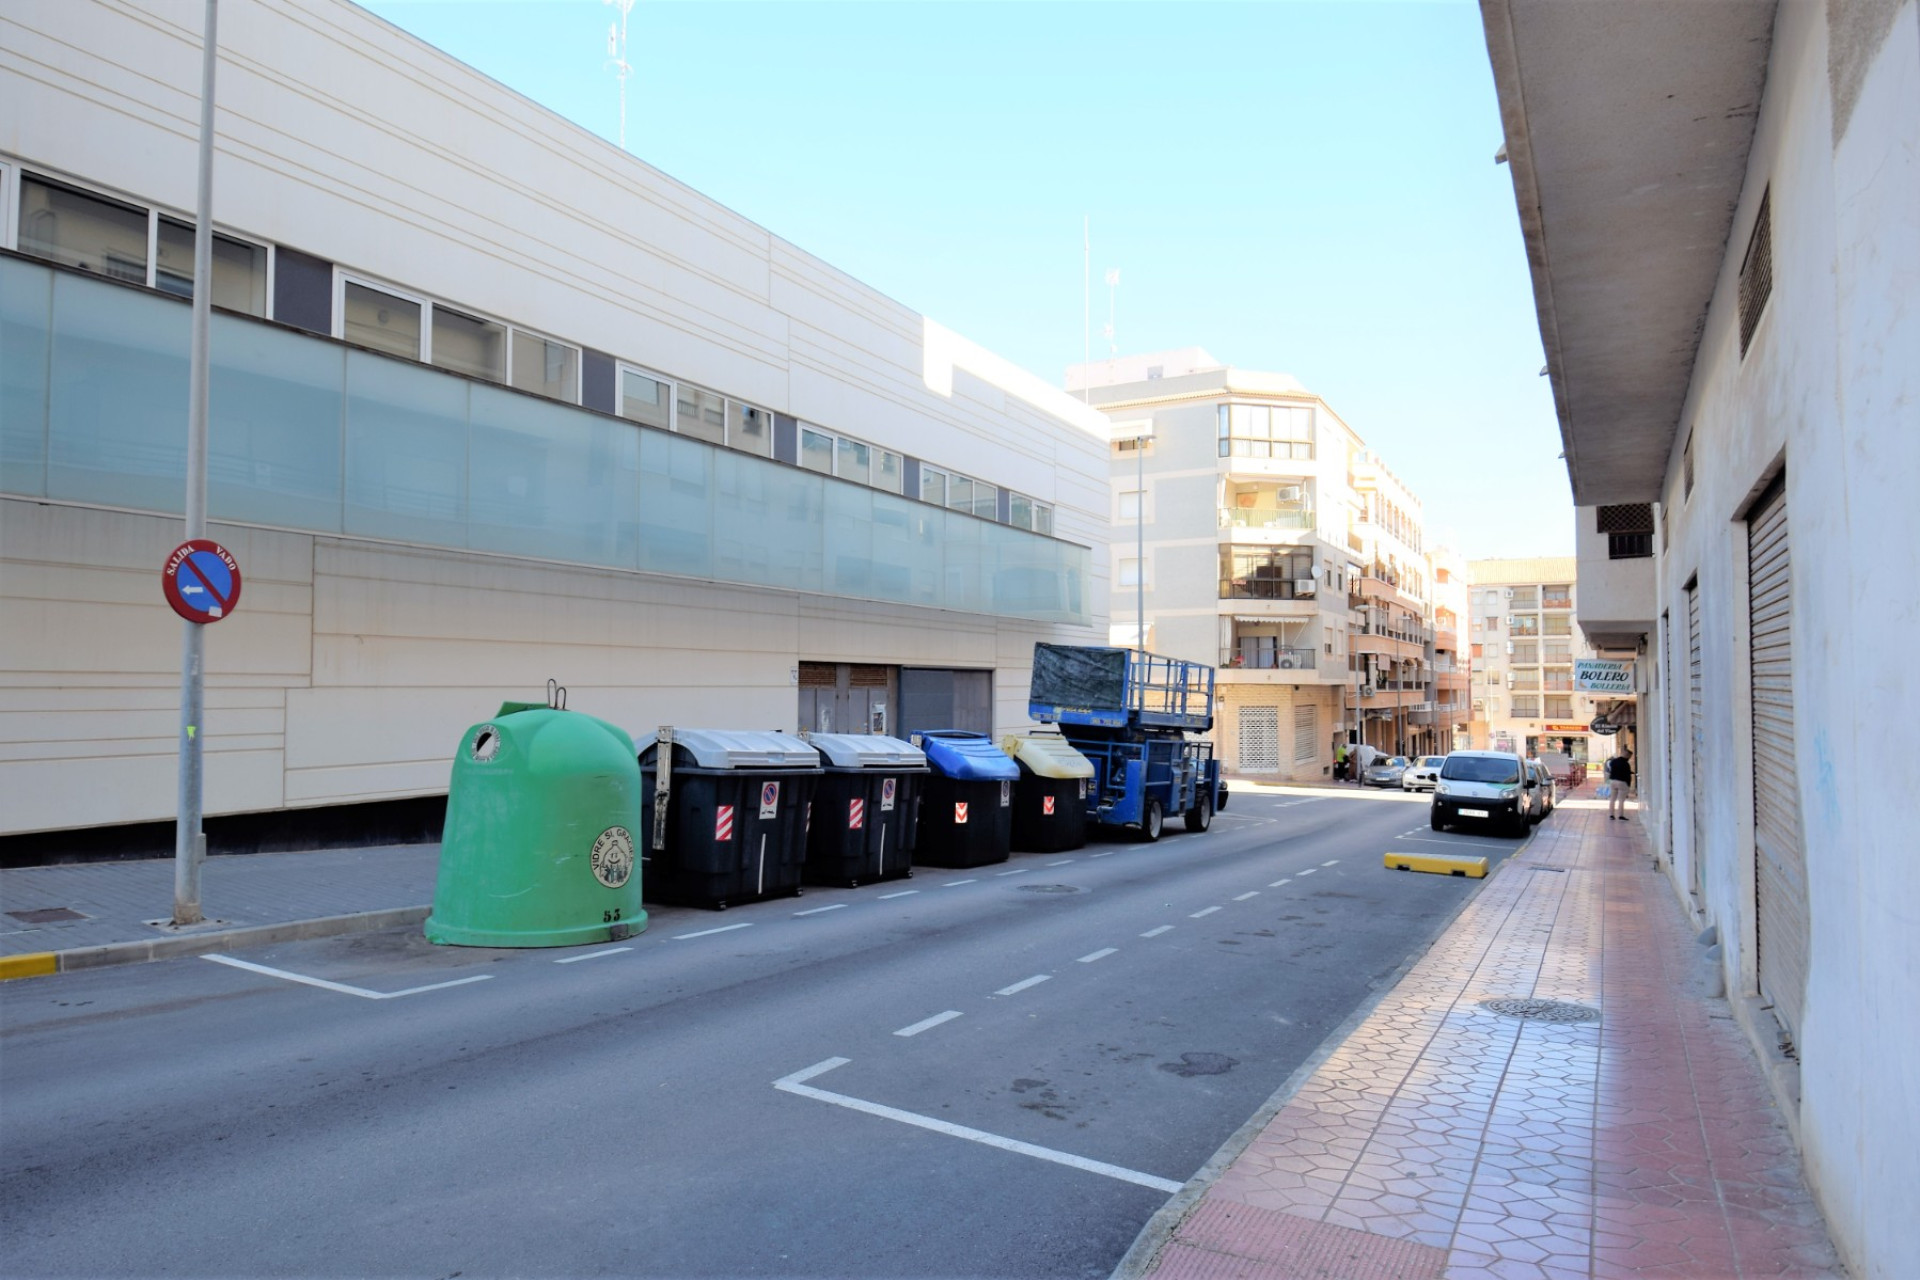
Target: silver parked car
<point x="1540" y="798"/>
<point x="1385" y="773"/>
<point x="1423" y="774"/>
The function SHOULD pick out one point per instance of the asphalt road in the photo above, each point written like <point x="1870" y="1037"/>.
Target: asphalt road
<point x="996" y="1072"/>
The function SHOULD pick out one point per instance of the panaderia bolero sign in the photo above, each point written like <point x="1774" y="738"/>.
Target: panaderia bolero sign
<point x="1593" y="675"/>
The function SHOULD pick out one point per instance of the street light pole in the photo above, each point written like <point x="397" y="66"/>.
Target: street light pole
<point x="189" y="842"/>
<point x="1140" y="541"/>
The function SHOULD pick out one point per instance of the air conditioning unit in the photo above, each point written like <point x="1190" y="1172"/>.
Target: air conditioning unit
<point x="1286" y="662"/>
<point x="1509" y="593"/>
<point x="1366" y="691"/>
<point x="1302" y="587"/>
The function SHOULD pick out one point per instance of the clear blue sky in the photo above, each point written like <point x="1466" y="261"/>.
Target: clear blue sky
<point x="1307" y="188"/>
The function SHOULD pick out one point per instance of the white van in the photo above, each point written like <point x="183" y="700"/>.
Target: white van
<point x="1494" y="787"/>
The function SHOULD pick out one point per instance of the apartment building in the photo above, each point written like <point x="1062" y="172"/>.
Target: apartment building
<point x="1452" y="661"/>
<point x="1742" y="454"/>
<point x="1253" y="529"/>
<point x="1526" y="638"/>
<point x="492" y="402"/>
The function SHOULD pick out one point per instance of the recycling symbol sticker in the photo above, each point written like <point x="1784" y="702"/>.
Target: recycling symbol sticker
<point x="612" y="857"/>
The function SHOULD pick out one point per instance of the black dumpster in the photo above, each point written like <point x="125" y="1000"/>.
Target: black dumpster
<point x="966" y="818"/>
<point x="865" y="809"/>
<point x="736" y="809"/>
<point x="1050" y="799"/>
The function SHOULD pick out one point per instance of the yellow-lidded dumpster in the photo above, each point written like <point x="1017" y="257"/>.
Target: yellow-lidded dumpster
<point x="1050" y="798"/>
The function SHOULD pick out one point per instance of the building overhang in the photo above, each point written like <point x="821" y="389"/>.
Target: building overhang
<point x="1627" y="125"/>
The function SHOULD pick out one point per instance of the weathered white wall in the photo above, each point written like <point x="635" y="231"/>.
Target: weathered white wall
<point x="1831" y="384"/>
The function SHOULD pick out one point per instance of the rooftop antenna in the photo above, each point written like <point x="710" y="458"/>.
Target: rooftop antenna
<point x="617" y="58"/>
<point x="1113" y="286"/>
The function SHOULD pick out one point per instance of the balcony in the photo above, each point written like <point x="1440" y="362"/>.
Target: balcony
<point x="1250" y="657"/>
<point x="310" y="434"/>
<point x="1617" y="597"/>
<point x="1257" y="521"/>
<point x="1301" y="589"/>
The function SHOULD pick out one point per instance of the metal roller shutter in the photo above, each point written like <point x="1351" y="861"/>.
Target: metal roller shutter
<point x="1697" y="740"/>
<point x="1306" y="733"/>
<point x="1779" y="854"/>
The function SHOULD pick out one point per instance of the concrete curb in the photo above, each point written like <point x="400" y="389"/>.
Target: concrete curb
<point x="39" y="963"/>
<point x="1139" y="1260"/>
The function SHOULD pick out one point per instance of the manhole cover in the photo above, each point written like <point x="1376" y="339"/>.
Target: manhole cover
<point x="47" y="915"/>
<point x="1541" y="1010"/>
<point x="1050" y="888"/>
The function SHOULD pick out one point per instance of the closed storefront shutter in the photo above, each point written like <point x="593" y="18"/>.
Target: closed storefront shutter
<point x="1696" y="739"/>
<point x="1259" y="739"/>
<point x="1306" y="733"/>
<point x="1779" y="854"/>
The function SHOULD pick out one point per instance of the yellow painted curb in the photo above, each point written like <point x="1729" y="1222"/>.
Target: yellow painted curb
<point x="32" y="965"/>
<point x="1438" y="864"/>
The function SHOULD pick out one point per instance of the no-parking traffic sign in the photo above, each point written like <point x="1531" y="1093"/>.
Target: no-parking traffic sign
<point x="201" y="580"/>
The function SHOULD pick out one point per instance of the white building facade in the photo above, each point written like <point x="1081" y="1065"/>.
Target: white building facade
<point x="492" y="402"/>
<point x="1722" y="210"/>
<point x="1526" y="641"/>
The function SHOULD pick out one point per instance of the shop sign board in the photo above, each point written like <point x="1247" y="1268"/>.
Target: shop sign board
<point x="1596" y="675"/>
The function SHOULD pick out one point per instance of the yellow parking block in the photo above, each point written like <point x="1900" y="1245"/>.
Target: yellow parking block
<point x="1438" y="864"/>
<point x="32" y="965"/>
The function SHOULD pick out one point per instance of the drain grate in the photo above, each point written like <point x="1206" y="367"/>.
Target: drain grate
<point x="48" y="915"/>
<point x="1542" y="1010"/>
<point x="1049" y="888"/>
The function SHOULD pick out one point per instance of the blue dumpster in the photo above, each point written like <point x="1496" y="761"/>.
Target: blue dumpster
<point x="966" y="818"/>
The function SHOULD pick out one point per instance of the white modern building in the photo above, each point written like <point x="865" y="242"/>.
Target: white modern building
<point x="1721" y="205"/>
<point x="492" y="402"/>
<point x="1526" y="638"/>
<point x="1253" y="529"/>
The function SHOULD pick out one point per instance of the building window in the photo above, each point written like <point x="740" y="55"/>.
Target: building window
<point x="239" y="268"/>
<point x="1686" y="468"/>
<point x="1129" y="504"/>
<point x="1524" y="678"/>
<point x="545" y="367"/>
<point x="816" y="451"/>
<point x="1524" y="598"/>
<point x="855" y="461"/>
<point x="1559" y="707"/>
<point x="1024" y="513"/>
<point x="84" y="231"/>
<point x="383" y="321"/>
<point x="1557" y="681"/>
<point x="1556" y="651"/>
<point x="700" y="413"/>
<point x="1557" y="597"/>
<point x="749" y="430"/>
<point x="645" y="398"/>
<point x="1266" y="431"/>
<point x="1279" y="573"/>
<point x="1526" y="707"/>
<point x="467" y="344"/>
<point x="1526" y="652"/>
<point x="1476" y="651"/>
<point x="1523" y="624"/>
<point x="1129" y="572"/>
<point x="888" y="473"/>
<point x="1493" y="624"/>
<point x="933" y="486"/>
<point x="1557" y="624"/>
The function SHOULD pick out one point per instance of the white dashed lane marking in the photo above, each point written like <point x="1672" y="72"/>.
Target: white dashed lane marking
<point x="817" y="910"/>
<point x="1101" y="954"/>
<point x="725" y="928"/>
<point x="1023" y="984"/>
<point x="927" y="1024"/>
<point x="1154" y="933"/>
<point x="1204" y="911"/>
<point x="1252" y="893"/>
<point x="592" y="955"/>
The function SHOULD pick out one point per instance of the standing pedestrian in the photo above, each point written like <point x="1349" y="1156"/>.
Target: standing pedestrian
<point x="1619" y="777"/>
<point x="1340" y="763"/>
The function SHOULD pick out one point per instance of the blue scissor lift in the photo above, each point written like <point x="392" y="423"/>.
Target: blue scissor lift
<point x="1134" y="714"/>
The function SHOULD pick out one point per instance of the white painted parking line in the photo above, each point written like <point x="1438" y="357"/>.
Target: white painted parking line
<point x="1154" y="933"/>
<point x="705" y="933"/>
<point x="1277" y="883"/>
<point x="1254" y="893"/>
<point x="1101" y="954"/>
<point x="1061" y="863"/>
<point x="954" y="884"/>
<point x="1016" y="871"/>
<point x="1331" y="862"/>
<point x="834" y="906"/>
<point x="592" y="955"/>
<point x="927" y="1024"/>
<point x="1309" y="871"/>
<point x="341" y="987"/>
<point x="796" y="1084"/>
<point x="1023" y="984"/>
<point x="1204" y="911"/>
<point x="1108" y="854"/>
<point x="899" y="894"/>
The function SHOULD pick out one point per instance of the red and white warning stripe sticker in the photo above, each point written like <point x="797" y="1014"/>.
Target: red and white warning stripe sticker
<point x="856" y="813"/>
<point x="959" y="814"/>
<point x="1046" y="806"/>
<point x="723" y="822"/>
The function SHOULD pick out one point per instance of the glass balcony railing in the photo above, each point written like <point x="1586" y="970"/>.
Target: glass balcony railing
<point x="1279" y="521"/>
<point x="309" y="434"/>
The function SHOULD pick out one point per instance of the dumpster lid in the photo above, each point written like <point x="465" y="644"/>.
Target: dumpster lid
<point x="866" y="751"/>
<point x="1048" y="754"/>
<point x="741" y="749"/>
<point x="969" y="757"/>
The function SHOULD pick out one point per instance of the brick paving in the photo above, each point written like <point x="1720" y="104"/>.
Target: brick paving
<point x="239" y="890"/>
<point x="1445" y="1141"/>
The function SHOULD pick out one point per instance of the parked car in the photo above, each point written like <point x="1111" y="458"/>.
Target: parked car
<point x="1385" y="773"/>
<point x="1493" y="787"/>
<point x="1423" y="773"/>
<point x="1543" y="795"/>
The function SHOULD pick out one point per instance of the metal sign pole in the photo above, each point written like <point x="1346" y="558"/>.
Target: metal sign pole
<point x="189" y="842"/>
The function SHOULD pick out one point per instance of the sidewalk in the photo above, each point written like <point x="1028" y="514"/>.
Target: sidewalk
<point x="99" y="912"/>
<point x="1623" y="1128"/>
